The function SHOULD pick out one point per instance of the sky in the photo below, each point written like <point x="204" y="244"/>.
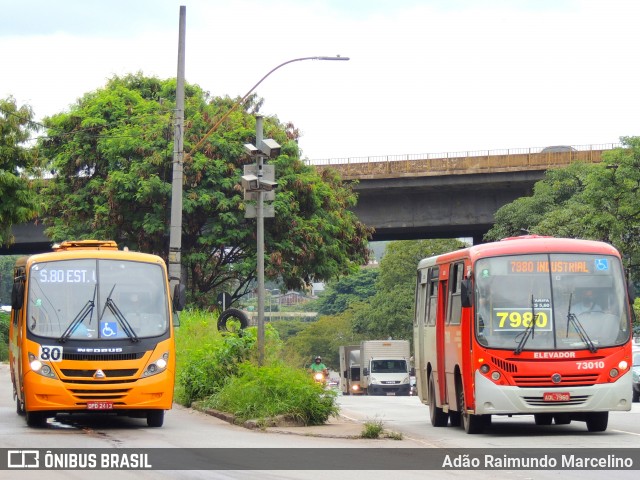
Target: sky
<point x="424" y="76"/>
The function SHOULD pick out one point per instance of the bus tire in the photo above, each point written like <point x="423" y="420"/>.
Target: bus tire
<point x="155" y="418"/>
<point x="19" y="403"/>
<point x="35" y="419"/>
<point x="472" y="424"/>
<point x="232" y="313"/>
<point x="436" y="414"/>
<point x="597" y="421"/>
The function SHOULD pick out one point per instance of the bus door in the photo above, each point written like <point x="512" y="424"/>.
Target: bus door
<point x="441" y="318"/>
<point x="419" y="331"/>
<point x="453" y="334"/>
<point x="16" y="339"/>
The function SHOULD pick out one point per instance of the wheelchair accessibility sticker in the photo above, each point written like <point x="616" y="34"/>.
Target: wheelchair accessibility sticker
<point x="108" y="329"/>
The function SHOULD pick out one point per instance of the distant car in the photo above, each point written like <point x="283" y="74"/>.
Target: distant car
<point x="636" y="374"/>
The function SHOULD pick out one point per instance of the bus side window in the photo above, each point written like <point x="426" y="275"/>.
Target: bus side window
<point x="455" y="303"/>
<point x="433" y="298"/>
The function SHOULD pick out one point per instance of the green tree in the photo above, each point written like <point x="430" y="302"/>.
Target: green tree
<point x="6" y="277"/>
<point x="340" y="294"/>
<point x="389" y="313"/>
<point x="112" y="158"/>
<point x="322" y="337"/>
<point x="593" y="201"/>
<point x="18" y="198"/>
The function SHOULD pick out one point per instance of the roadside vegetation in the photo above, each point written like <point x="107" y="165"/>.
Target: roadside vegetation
<point x="221" y="371"/>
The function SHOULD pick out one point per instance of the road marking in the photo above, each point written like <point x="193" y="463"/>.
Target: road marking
<point x="624" y="431"/>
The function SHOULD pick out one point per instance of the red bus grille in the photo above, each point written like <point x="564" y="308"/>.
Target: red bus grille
<point x="578" y="380"/>
<point x="539" y="401"/>
<point x="504" y="365"/>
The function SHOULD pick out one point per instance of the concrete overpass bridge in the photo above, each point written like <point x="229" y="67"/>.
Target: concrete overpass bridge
<point x="449" y="195"/>
<point x="422" y="196"/>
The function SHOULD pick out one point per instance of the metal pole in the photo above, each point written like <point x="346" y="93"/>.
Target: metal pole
<point x="175" y="230"/>
<point x="260" y="246"/>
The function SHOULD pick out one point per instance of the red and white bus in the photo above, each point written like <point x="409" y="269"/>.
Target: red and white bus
<point x="501" y="329"/>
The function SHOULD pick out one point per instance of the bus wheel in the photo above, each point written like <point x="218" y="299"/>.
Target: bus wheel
<point x="19" y="403"/>
<point x="35" y="419"/>
<point x="19" y="407"/>
<point x="543" y="418"/>
<point x="597" y="421"/>
<point x="155" y="418"/>
<point x="437" y="415"/>
<point x="472" y="424"/>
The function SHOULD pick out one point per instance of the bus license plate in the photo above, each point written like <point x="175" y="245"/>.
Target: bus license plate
<point x="99" y="405"/>
<point x="556" y="396"/>
<point x="391" y="393"/>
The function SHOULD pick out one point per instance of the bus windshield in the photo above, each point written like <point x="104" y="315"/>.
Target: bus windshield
<point x="97" y="299"/>
<point x="550" y="302"/>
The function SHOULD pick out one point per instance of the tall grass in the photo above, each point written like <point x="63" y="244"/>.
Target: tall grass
<point x="221" y="369"/>
<point x="276" y="389"/>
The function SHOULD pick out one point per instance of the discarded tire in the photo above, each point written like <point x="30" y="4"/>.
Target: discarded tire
<point x="232" y="320"/>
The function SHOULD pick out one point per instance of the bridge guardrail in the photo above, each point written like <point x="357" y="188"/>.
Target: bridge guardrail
<point x="462" y="162"/>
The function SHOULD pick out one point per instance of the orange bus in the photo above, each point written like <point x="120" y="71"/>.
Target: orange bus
<point x="503" y="328"/>
<point x="91" y="330"/>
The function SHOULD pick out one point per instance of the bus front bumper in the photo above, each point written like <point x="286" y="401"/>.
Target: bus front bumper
<point x="500" y="399"/>
<point x="47" y="394"/>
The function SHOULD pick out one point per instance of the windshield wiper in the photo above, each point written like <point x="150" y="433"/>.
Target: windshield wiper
<point x="82" y="314"/>
<point x="529" y="332"/>
<point x="122" y="321"/>
<point x="582" y="333"/>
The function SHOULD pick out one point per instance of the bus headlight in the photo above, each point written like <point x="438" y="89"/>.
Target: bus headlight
<point x="156" y="367"/>
<point x="613" y="373"/>
<point x="40" y="368"/>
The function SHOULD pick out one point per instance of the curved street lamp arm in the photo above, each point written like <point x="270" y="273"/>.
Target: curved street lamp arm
<point x="246" y="95"/>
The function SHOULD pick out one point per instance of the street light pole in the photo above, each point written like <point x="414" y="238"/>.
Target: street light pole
<point x="260" y="243"/>
<point x="175" y="229"/>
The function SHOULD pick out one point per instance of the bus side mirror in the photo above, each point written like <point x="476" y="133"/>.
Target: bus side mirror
<point x="17" y="295"/>
<point x="466" y="294"/>
<point x="366" y="372"/>
<point x="179" y="297"/>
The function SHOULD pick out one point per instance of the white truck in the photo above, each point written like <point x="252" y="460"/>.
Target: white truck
<point x="350" y="370"/>
<point x="384" y="368"/>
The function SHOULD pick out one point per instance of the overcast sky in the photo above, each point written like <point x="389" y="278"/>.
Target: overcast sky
<point x="425" y="76"/>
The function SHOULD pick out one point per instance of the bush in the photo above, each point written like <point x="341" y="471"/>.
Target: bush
<point x="4" y="336"/>
<point x="206" y="358"/>
<point x="206" y="369"/>
<point x="277" y="389"/>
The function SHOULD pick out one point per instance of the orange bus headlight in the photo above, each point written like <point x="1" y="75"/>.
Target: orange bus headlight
<point x="40" y="368"/>
<point x="156" y="367"/>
